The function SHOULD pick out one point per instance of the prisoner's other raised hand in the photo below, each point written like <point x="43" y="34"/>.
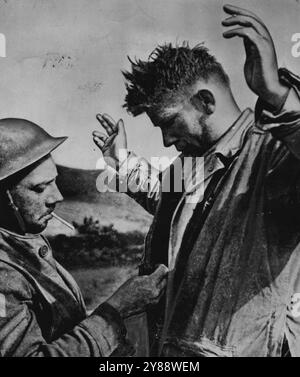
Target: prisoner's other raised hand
<point x="261" y="68"/>
<point x="138" y="292"/>
<point x="112" y="141"/>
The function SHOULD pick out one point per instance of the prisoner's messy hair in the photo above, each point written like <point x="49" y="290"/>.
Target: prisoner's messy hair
<point x="168" y="70"/>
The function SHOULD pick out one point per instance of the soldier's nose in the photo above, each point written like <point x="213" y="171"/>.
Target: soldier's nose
<point x="55" y="197"/>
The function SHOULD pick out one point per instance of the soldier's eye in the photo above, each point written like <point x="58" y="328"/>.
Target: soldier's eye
<point x="42" y="186"/>
<point x="39" y="189"/>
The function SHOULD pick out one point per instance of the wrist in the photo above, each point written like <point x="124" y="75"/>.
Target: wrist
<point x="115" y="161"/>
<point x="124" y="309"/>
<point x="116" y="303"/>
<point x="123" y="157"/>
<point x="111" y="315"/>
<point x="277" y="97"/>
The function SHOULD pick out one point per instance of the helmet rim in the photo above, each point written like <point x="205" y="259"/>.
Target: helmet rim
<point x="22" y="143"/>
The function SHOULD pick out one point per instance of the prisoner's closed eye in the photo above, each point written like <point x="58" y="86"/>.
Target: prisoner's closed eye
<point x="169" y="122"/>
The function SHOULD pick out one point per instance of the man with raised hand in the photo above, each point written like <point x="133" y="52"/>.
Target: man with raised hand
<point x="233" y="258"/>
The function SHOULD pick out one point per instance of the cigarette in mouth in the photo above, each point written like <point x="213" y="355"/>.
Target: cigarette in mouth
<point x="63" y="221"/>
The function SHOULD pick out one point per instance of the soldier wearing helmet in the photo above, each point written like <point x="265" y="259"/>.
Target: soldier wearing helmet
<point x="42" y="312"/>
<point x="26" y="167"/>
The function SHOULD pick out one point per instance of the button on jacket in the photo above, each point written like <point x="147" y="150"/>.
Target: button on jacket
<point x="42" y="312"/>
<point x="234" y="287"/>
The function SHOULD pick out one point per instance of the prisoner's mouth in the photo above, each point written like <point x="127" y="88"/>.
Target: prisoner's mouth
<point x="180" y="147"/>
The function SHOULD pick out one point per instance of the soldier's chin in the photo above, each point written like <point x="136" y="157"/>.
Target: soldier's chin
<point x="38" y="227"/>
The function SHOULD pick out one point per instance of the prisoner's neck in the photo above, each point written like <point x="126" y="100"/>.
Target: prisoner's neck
<point x="226" y="113"/>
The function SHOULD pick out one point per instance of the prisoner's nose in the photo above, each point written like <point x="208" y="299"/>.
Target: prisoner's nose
<point x="168" y="140"/>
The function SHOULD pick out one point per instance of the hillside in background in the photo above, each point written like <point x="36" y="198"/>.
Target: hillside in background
<point x="81" y="199"/>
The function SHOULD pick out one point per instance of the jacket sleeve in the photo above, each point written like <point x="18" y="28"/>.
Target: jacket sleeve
<point x="283" y="176"/>
<point x="101" y="334"/>
<point x="284" y="124"/>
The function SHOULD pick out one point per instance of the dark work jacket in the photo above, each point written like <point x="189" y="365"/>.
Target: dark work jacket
<point x="235" y="288"/>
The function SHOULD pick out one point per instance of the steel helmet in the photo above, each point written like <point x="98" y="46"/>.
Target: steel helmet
<point x="22" y="143"/>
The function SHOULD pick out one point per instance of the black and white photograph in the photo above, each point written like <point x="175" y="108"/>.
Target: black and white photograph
<point x="149" y="181"/>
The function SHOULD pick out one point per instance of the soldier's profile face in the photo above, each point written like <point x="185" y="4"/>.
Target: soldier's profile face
<point x="36" y="195"/>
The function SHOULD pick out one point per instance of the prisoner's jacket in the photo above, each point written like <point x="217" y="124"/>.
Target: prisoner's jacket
<point x="234" y="286"/>
<point x="42" y="312"/>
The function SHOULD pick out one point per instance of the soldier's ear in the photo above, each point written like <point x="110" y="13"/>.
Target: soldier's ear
<point x="204" y="101"/>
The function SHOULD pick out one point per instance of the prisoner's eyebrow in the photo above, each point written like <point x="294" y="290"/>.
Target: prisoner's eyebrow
<point x="164" y="119"/>
<point x="168" y="121"/>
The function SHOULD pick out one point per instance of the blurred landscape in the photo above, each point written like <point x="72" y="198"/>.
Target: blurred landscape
<point x="81" y="199"/>
<point x="107" y="244"/>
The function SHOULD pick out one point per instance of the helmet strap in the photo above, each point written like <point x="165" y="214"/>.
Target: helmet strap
<point x="16" y="212"/>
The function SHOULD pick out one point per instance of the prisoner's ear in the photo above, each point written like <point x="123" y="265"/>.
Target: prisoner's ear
<point x="204" y="101"/>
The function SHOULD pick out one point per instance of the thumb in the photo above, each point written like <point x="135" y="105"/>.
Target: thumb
<point x="121" y="129"/>
<point x="160" y="273"/>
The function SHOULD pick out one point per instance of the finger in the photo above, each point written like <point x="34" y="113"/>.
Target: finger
<point x="244" y="21"/>
<point x="100" y="135"/>
<point x="121" y="129"/>
<point x="98" y="142"/>
<point x="160" y="273"/>
<point x="109" y="140"/>
<point x="111" y="122"/>
<point x="234" y="10"/>
<point x="104" y="124"/>
<point x="240" y="32"/>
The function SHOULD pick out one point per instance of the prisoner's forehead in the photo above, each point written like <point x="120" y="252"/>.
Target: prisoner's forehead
<point x="163" y="112"/>
<point x="167" y="106"/>
<point x="171" y="102"/>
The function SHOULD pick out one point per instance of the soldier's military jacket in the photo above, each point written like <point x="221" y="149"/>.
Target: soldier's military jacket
<point x="42" y="312"/>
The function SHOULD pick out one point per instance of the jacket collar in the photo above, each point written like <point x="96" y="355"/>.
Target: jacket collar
<point x="25" y="252"/>
<point x="233" y="140"/>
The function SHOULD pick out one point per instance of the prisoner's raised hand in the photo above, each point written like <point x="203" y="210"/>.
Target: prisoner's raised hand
<point x="113" y="141"/>
<point x="261" y="68"/>
<point x="138" y="292"/>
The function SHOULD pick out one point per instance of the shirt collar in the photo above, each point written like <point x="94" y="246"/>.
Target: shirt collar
<point x="222" y="153"/>
<point x="232" y="141"/>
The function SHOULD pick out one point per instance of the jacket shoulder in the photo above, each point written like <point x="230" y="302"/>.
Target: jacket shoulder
<point x="13" y="282"/>
<point x="12" y="277"/>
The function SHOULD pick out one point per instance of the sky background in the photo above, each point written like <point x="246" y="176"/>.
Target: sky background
<point x="64" y="60"/>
